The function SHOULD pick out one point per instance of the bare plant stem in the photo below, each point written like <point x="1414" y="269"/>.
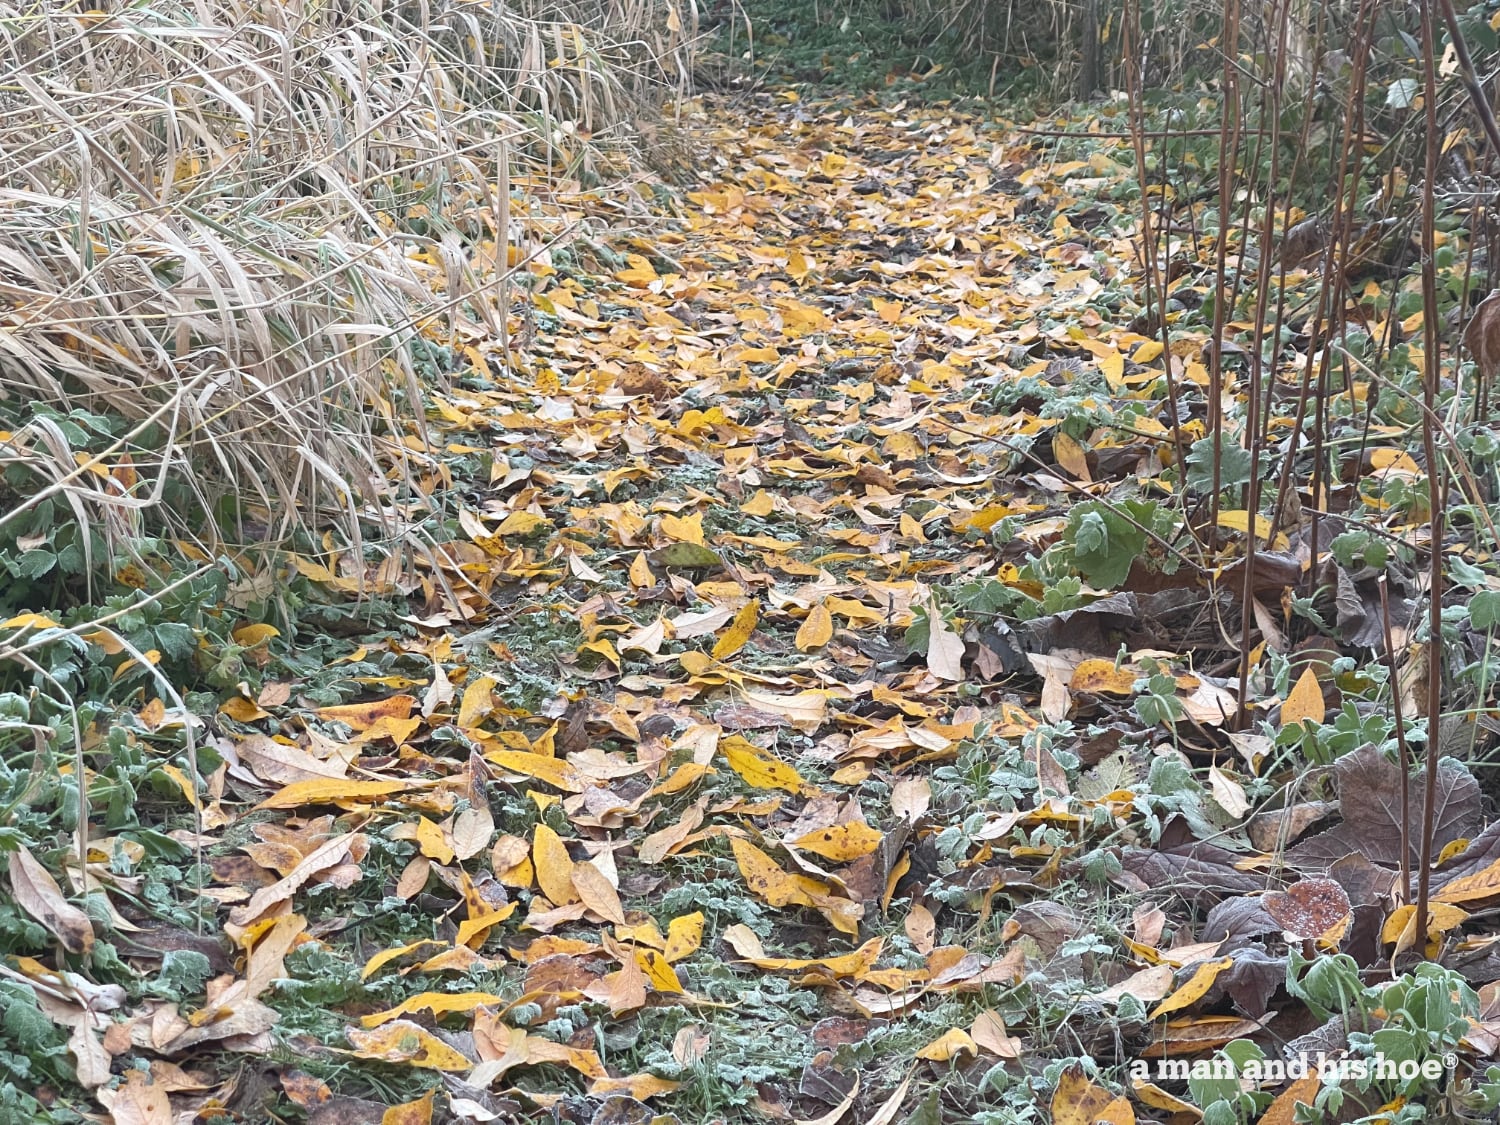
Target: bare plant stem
<point x="1431" y="372"/>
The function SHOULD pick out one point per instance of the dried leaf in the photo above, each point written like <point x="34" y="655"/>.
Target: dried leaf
<point x="1304" y="701"/>
<point x="37" y="893"/>
<point x="816" y="630"/>
<point x="554" y="867"/>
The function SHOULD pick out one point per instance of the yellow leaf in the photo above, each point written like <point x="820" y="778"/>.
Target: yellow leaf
<point x="735" y="637"/>
<point x="473" y="930"/>
<point x="638" y="1086"/>
<point x="954" y="1041"/>
<point x="522" y="524"/>
<point x="243" y="710"/>
<point x="1112" y="367"/>
<point x="554" y="771"/>
<point x="1401" y="927"/>
<point x="658" y="971"/>
<point x="765" y="878"/>
<point x="31" y="621"/>
<point x="438" y="1003"/>
<point x="758" y="769"/>
<point x="640" y="572"/>
<point x="554" y="868"/>
<point x="1191" y="992"/>
<point x="330" y="791"/>
<point x="1102" y="676"/>
<point x="816" y="630"/>
<point x="433" y="841"/>
<point x="842" y="842"/>
<point x="1238" y="519"/>
<point x="478" y="701"/>
<point x="684" y="529"/>
<point x="1472" y="888"/>
<point x="248" y="636"/>
<point x="402" y="1041"/>
<point x="1070" y="456"/>
<point x="385" y="956"/>
<point x="855" y="964"/>
<point x="684" y="935"/>
<point x="1304" y="701"/>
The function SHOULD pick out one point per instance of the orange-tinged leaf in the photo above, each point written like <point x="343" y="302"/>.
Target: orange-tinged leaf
<point x="1283" y="1111"/>
<point x="418" y="1112"/>
<point x="1077" y="1101"/>
<point x="402" y="1041"/>
<point x="758" y="769"/>
<point x="766" y="879"/>
<point x="330" y="791"/>
<point x="1304" y="701"/>
<point x="842" y="842"/>
<point x="1103" y="676"/>
<point x="816" y="630"/>
<point x="1192" y="991"/>
<point x="638" y="1086"/>
<point x="438" y="1003"/>
<point x="738" y="634"/>
<point x="554" y="867"/>
<point x="359" y="716"/>
<point x="597" y="893"/>
<point x="1483" y="884"/>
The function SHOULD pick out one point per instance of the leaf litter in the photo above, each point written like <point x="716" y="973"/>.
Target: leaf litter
<point x="811" y="684"/>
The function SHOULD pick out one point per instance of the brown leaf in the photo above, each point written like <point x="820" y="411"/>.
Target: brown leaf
<point x="1369" y="787"/>
<point x="37" y="893"/>
<point x="1309" y="908"/>
<point x="1482" y="335"/>
<point x="137" y="1101"/>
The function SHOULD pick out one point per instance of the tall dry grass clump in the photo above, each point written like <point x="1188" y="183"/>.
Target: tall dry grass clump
<point x="204" y="235"/>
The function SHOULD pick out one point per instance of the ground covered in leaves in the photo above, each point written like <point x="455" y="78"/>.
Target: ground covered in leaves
<point x="816" y="705"/>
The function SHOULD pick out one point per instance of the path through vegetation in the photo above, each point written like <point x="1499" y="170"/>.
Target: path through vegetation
<point x="817" y="706"/>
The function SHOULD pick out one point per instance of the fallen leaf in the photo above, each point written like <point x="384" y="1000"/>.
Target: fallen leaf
<point x="37" y="893"/>
<point x="554" y="867"/>
<point x="1304" y="701"/>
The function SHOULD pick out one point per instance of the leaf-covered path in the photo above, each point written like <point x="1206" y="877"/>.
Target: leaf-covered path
<point x="807" y="708"/>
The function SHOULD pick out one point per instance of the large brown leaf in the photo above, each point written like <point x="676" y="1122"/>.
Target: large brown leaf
<point x="1369" y="787"/>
